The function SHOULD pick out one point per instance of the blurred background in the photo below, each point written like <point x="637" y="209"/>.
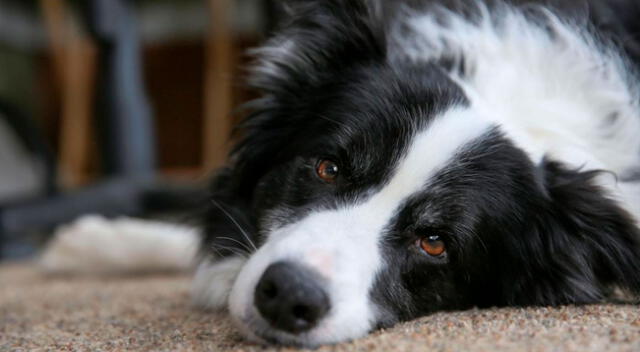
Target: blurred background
<point x="116" y="107"/>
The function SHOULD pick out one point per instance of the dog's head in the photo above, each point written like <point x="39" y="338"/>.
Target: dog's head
<point x="377" y="194"/>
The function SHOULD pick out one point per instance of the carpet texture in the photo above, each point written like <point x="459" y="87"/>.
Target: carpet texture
<point x="152" y="313"/>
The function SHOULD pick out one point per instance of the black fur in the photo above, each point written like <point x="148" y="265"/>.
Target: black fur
<point x="518" y="235"/>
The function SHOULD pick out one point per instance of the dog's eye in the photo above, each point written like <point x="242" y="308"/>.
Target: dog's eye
<point x="327" y="170"/>
<point x="432" y="245"/>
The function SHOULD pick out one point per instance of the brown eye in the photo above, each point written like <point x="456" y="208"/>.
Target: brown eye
<point x="327" y="170"/>
<point x="433" y="246"/>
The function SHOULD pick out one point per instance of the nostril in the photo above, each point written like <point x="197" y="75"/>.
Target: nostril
<point x="303" y="312"/>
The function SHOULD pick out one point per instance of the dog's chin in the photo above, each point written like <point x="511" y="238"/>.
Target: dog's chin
<point x="257" y="330"/>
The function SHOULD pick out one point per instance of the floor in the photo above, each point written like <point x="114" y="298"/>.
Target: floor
<point x="152" y="313"/>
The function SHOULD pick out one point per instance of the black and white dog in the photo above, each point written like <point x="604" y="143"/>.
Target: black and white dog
<point x="414" y="156"/>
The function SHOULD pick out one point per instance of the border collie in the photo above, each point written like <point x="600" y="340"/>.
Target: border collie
<point x="407" y="157"/>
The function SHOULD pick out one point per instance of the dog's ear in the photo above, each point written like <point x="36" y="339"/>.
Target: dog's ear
<point x="319" y="39"/>
<point x="581" y="246"/>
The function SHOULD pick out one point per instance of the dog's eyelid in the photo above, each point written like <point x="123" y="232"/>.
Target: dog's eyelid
<point x="430" y="230"/>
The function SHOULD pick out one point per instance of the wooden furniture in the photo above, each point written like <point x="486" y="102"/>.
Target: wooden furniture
<point x="218" y="90"/>
<point x="129" y="183"/>
<point x="74" y="55"/>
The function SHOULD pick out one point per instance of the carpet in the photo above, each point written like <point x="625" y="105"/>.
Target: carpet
<point x="152" y="313"/>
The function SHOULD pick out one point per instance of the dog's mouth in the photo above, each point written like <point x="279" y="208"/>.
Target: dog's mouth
<point x="257" y="330"/>
<point x="330" y="330"/>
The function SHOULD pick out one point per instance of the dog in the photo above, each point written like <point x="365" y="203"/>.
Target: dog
<point x="408" y="157"/>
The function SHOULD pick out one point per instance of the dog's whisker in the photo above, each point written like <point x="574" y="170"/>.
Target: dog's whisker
<point x="244" y="245"/>
<point x="226" y="213"/>
<point x="216" y="251"/>
<point x="237" y="251"/>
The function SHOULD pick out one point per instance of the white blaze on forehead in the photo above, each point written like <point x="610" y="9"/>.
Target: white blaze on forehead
<point x="429" y="152"/>
<point x="343" y="244"/>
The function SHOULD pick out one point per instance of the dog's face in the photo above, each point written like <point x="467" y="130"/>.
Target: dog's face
<point x="378" y="194"/>
<point x="388" y="211"/>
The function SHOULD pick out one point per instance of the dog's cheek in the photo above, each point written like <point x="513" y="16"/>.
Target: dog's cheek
<point x="407" y="289"/>
<point x="241" y="296"/>
<point x="271" y="190"/>
<point x="392" y="299"/>
<point x="282" y="196"/>
<point x="213" y="281"/>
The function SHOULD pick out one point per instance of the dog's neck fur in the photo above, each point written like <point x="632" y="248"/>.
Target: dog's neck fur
<point x="569" y="95"/>
<point x="562" y="84"/>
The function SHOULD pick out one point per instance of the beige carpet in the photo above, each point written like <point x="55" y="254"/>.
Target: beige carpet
<point x="153" y="313"/>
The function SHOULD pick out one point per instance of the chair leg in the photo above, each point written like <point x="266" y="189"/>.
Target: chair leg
<point x="123" y="111"/>
<point x="74" y="58"/>
<point x="218" y="86"/>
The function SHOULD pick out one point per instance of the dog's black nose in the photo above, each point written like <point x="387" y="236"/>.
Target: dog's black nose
<point x="290" y="297"/>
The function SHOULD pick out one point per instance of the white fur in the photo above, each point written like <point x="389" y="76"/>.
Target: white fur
<point x="213" y="281"/>
<point x="553" y="94"/>
<point x="95" y="245"/>
<point x="342" y="244"/>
